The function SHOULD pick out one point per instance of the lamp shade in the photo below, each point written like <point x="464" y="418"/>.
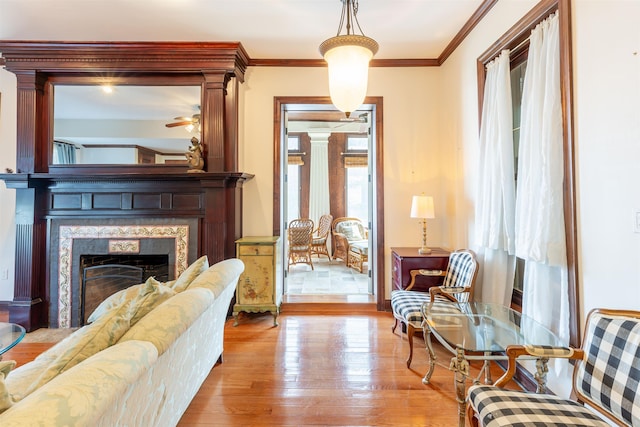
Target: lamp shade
<point x="422" y="207"/>
<point x="348" y="63"/>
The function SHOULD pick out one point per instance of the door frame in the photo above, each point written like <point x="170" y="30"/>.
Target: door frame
<point x="280" y="103"/>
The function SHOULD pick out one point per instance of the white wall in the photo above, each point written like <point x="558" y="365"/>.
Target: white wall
<point x="607" y="124"/>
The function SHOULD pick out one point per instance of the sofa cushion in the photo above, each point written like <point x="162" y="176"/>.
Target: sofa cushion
<point x="5" y="398"/>
<point x="198" y="266"/>
<point x="82" y="395"/>
<point x="352" y="230"/>
<point x="148" y="295"/>
<point x="219" y="276"/>
<point x="167" y="322"/>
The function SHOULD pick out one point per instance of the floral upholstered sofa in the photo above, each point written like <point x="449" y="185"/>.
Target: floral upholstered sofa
<point x="139" y="362"/>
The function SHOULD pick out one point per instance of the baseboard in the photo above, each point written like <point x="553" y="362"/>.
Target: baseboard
<point x="328" y="308"/>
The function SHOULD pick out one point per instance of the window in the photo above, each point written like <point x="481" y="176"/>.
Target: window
<point x="357" y="176"/>
<point x="294" y="162"/>
<point x="513" y="38"/>
<point x="357" y="192"/>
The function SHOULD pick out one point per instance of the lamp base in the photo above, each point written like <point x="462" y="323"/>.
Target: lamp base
<point x="424" y="250"/>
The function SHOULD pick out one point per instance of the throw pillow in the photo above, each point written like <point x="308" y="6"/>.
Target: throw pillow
<point x="193" y="271"/>
<point x="150" y="294"/>
<point x="356" y="233"/>
<point x="87" y="341"/>
<point x="5" y="397"/>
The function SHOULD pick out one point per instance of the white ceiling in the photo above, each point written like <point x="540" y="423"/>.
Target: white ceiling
<point x="268" y="29"/>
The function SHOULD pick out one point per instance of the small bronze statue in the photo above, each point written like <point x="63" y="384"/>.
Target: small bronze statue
<point x="195" y="156"/>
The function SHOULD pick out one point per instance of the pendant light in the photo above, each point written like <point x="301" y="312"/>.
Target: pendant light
<point x="348" y="57"/>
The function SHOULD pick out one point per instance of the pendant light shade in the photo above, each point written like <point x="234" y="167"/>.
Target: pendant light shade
<point x="348" y="59"/>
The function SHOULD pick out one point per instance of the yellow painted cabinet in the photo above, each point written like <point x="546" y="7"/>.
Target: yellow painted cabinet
<point x="260" y="285"/>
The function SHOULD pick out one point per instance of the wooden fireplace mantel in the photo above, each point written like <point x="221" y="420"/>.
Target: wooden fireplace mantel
<point x="47" y="192"/>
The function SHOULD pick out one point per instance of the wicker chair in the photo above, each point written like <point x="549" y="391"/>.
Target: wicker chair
<point x="299" y="236"/>
<point x="351" y="242"/>
<point x="319" y="241"/>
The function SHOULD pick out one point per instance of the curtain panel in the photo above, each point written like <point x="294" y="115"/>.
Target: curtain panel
<point x="539" y="215"/>
<point x="496" y="187"/>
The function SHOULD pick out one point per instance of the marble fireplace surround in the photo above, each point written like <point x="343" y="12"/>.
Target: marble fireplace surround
<point x="70" y="239"/>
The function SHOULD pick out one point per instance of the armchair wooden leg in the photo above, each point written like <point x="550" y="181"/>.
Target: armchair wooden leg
<point x="410" y="331"/>
<point x="395" y="325"/>
<point x="471" y="416"/>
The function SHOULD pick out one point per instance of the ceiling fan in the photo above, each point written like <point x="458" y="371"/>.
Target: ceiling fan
<point x="185" y="121"/>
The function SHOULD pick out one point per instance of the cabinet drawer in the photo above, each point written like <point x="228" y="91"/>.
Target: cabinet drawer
<point x="255" y="250"/>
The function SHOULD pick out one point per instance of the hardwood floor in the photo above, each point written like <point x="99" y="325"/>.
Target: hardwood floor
<point x="320" y="369"/>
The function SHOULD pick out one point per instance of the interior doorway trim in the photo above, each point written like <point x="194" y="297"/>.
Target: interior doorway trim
<point x="377" y="176"/>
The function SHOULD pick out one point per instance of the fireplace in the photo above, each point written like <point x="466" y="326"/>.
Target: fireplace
<point x="130" y="240"/>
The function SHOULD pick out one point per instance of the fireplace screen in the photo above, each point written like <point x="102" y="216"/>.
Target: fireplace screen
<point x="103" y="275"/>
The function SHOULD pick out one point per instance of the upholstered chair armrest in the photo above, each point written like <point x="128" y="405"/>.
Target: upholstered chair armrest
<point x="422" y="272"/>
<point x="540" y="352"/>
<point x="446" y="292"/>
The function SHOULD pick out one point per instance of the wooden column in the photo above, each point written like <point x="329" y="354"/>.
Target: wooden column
<point x="213" y="132"/>
<point x="28" y="307"/>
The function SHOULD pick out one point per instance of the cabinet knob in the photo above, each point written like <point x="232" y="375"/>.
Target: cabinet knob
<point x="256" y="249"/>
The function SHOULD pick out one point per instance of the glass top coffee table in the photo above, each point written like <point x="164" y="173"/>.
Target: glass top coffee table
<point x="480" y="331"/>
<point x="10" y="335"/>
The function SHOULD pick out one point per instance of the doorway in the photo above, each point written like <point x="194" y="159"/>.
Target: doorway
<point x="346" y="142"/>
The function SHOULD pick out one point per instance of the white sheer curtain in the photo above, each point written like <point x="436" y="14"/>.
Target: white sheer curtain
<point x="539" y="216"/>
<point x="496" y="187"/>
<point x="319" y="179"/>
<point x="63" y="153"/>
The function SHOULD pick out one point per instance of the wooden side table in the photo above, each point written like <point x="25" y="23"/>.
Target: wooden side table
<point x="260" y="285"/>
<point x="406" y="259"/>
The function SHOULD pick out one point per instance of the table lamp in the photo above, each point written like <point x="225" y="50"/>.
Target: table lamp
<point x="422" y="207"/>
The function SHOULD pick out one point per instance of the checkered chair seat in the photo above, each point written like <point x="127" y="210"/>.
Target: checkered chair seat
<point x="498" y="407"/>
<point x="407" y="305"/>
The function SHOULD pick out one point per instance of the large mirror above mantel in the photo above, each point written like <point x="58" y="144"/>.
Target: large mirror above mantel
<point x="124" y="124"/>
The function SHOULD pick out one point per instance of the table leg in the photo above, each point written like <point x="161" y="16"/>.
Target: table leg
<point x="487" y="370"/>
<point x="541" y="374"/>
<point x="432" y="354"/>
<point x="460" y="366"/>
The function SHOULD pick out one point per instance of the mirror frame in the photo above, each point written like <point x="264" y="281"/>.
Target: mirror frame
<point x="218" y="67"/>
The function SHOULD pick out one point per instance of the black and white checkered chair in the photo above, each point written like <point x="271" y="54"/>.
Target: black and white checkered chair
<point x="606" y="378"/>
<point x="457" y="286"/>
